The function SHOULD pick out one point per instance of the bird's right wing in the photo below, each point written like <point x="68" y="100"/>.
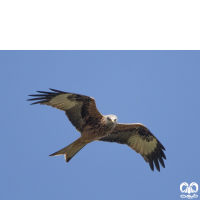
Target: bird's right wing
<point x="80" y="109"/>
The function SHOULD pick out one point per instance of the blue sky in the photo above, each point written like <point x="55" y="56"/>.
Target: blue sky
<point x="159" y="89"/>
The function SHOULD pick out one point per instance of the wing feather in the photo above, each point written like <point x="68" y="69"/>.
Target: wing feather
<point x="140" y="139"/>
<point x="78" y="108"/>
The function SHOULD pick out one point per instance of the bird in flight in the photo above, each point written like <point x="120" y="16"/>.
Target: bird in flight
<point x="82" y="112"/>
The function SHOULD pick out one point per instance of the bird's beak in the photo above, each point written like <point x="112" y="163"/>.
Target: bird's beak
<point x="113" y="121"/>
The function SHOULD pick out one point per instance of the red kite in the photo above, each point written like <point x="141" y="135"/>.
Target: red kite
<point x="82" y="112"/>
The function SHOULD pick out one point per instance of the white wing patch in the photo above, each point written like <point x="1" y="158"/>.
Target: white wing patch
<point x="62" y="102"/>
<point x="142" y="146"/>
<point x="148" y="147"/>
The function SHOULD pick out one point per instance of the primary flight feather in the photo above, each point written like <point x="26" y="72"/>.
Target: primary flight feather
<point x="82" y="112"/>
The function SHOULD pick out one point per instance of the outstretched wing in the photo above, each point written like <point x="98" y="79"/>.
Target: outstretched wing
<point x="78" y="108"/>
<point x="140" y="139"/>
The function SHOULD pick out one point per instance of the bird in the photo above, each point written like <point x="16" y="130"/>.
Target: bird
<point x="82" y="112"/>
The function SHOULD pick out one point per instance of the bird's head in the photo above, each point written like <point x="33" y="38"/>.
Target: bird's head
<point x="111" y="119"/>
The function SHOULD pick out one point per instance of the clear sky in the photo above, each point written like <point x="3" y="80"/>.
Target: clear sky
<point x="159" y="89"/>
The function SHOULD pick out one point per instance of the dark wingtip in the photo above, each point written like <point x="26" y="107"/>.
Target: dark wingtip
<point x="151" y="165"/>
<point x="33" y="100"/>
<point x="56" y="90"/>
<point x="156" y="163"/>
<point x="34" y="103"/>
<point x="161" y="146"/>
<point x="164" y="156"/>
<point x="52" y="89"/>
<point x="44" y="96"/>
<point x="156" y="158"/>
<point x="150" y="160"/>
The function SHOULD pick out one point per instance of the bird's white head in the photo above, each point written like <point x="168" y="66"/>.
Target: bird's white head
<point x="111" y="119"/>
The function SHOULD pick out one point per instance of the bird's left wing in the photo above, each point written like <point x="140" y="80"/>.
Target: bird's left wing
<point x="140" y="139"/>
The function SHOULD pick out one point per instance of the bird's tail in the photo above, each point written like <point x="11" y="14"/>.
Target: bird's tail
<point x="70" y="150"/>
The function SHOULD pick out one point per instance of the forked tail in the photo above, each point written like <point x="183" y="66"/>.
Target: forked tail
<point x="71" y="149"/>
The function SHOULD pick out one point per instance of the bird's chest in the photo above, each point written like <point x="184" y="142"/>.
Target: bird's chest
<point x="98" y="131"/>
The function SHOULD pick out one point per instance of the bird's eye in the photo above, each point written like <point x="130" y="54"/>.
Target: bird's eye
<point x="115" y="120"/>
